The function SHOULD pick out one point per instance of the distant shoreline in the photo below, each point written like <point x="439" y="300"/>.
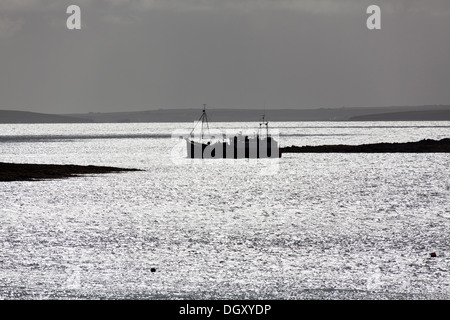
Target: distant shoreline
<point x="33" y="172"/>
<point x="423" y="146"/>
<point x="417" y="113"/>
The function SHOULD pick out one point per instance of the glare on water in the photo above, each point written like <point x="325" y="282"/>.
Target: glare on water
<point x="339" y="226"/>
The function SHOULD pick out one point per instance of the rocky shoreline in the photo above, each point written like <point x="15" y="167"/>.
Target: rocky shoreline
<point x="423" y="146"/>
<point x="31" y="172"/>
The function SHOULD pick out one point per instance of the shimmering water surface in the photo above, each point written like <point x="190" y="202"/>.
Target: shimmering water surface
<point x="311" y="226"/>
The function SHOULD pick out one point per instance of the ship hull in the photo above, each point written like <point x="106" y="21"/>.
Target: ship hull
<point x="234" y="150"/>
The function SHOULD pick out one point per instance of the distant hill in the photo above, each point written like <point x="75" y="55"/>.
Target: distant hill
<point x="432" y="115"/>
<point x="9" y="116"/>
<point x="248" y="115"/>
<point x="413" y="113"/>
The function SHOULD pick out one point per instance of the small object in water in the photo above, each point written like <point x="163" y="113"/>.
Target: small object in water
<point x="153" y="269"/>
<point x="433" y="255"/>
<point x="231" y="147"/>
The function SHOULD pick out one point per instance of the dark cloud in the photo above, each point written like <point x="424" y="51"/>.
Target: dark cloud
<point x="136" y="55"/>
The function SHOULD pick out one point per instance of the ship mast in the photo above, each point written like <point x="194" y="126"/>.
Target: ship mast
<point x="266" y="123"/>
<point x="203" y="118"/>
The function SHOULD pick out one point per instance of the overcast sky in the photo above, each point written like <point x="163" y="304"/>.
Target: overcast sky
<point x="147" y="54"/>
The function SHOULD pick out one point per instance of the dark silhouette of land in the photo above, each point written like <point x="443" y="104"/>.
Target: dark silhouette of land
<point x="432" y="115"/>
<point x="31" y="172"/>
<point x="423" y="146"/>
<point x="254" y="115"/>
<point x="396" y="113"/>
<point x="9" y="116"/>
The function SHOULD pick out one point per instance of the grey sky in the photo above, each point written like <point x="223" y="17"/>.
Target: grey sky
<point x="148" y="54"/>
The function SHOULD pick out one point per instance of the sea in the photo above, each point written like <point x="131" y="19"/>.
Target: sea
<point x="306" y="226"/>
